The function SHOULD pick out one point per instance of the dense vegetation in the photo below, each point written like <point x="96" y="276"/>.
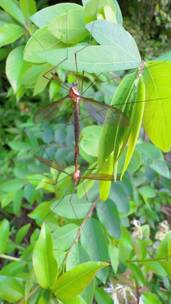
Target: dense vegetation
<point x="101" y="242"/>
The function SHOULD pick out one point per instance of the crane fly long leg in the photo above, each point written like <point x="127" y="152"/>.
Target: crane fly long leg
<point x="52" y="164"/>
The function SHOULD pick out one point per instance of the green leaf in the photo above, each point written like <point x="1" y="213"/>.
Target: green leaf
<point x="109" y="58"/>
<point x="40" y="41"/>
<point x="28" y="7"/>
<point x="109" y="216"/>
<point x="10" y="33"/>
<point x="13" y="9"/>
<point x="77" y="300"/>
<point x="108" y="33"/>
<point x="114" y="256"/>
<point x="64" y="236"/>
<point x="120" y="196"/>
<point x="137" y="274"/>
<point x="14" y="65"/>
<point x="152" y="157"/>
<point x="90" y="140"/>
<point x="77" y="255"/>
<point x="69" y="27"/>
<point x="11" y="289"/>
<point x="71" y="207"/>
<point x="117" y="130"/>
<point x="92" y="238"/>
<point x="150" y="298"/>
<point x="157" y="115"/>
<point x="125" y="245"/>
<point x="102" y="9"/>
<point x="67" y="287"/>
<point x="44" y="263"/>
<point x="21" y="233"/>
<point x="45" y="16"/>
<point x="4" y="235"/>
<point x="102" y="297"/>
<point x="135" y="122"/>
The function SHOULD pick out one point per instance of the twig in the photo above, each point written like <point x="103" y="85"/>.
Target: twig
<point x="8" y="257"/>
<point x="88" y="215"/>
<point x="23" y="301"/>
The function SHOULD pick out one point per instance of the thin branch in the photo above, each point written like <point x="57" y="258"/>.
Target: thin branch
<point x="88" y="216"/>
<point x="8" y="257"/>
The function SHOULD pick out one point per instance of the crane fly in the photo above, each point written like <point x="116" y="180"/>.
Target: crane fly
<point x="96" y="109"/>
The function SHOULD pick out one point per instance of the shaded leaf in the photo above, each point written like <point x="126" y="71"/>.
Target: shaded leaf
<point x="92" y="238"/>
<point x="109" y="216"/>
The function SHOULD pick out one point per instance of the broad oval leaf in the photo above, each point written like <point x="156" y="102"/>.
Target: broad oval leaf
<point x="92" y="238"/>
<point x="90" y="140"/>
<point x="108" y="33"/>
<point x="71" y="207"/>
<point x="157" y="115"/>
<point x="40" y="41"/>
<point x="44" y="263"/>
<point x="109" y="216"/>
<point x="14" y="66"/>
<point x="69" y="27"/>
<point x="10" y="33"/>
<point x="44" y="16"/>
<point x="67" y="287"/>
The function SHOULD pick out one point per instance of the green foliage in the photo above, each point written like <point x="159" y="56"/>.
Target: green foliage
<point x="58" y="244"/>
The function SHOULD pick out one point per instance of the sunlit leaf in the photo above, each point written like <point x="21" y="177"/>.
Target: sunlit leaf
<point x="69" y="27"/>
<point x="4" y="235"/>
<point x="11" y="289"/>
<point x="157" y="115"/>
<point x="13" y="9"/>
<point x="102" y="9"/>
<point x="45" y="15"/>
<point x="10" y="33"/>
<point x="67" y="287"/>
<point x="28" y="7"/>
<point x="44" y="263"/>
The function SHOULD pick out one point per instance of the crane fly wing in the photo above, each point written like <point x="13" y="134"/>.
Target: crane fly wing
<point x="50" y="111"/>
<point x="52" y="164"/>
<point x="98" y="111"/>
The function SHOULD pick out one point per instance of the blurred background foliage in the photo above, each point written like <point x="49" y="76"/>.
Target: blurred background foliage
<point x="142" y="200"/>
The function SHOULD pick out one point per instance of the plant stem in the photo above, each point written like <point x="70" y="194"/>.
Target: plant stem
<point x="8" y="257"/>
